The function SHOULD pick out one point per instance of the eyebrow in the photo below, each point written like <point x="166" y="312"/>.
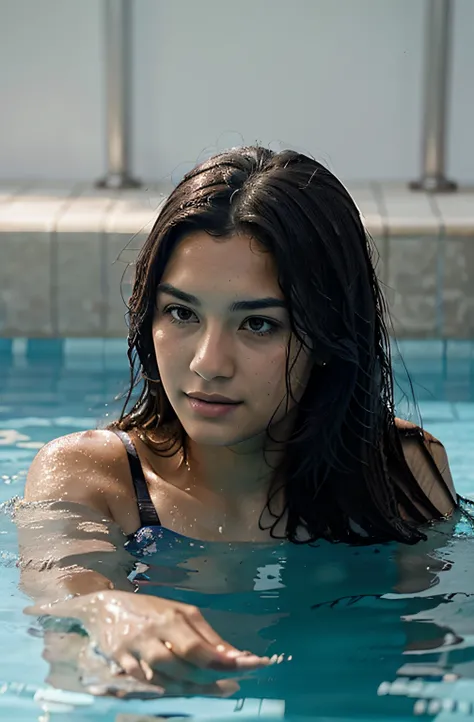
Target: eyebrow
<point x="254" y="305"/>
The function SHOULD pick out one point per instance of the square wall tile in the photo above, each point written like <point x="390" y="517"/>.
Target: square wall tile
<point x="79" y="292"/>
<point x="458" y="287"/>
<point x="412" y="286"/>
<point x="121" y="250"/>
<point x="41" y="348"/>
<point x="25" y="284"/>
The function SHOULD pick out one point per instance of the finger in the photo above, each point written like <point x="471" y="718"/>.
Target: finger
<point x="187" y="644"/>
<point x="132" y="667"/>
<point x="158" y="659"/>
<point x="196" y="619"/>
<point x="202" y="626"/>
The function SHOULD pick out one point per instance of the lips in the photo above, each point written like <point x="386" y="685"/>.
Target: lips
<point x="213" y="399"/>
<point x="212" y="406"/>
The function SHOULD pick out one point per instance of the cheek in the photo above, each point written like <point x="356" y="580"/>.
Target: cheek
<point x="159" y="336"/>
<point x="167" y="346"/>
<point x="267" y="376"/>
<point x="169" y="356"/>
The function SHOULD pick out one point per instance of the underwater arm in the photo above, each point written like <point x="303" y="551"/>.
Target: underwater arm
<point x="69" y="543"/>
<point x="74" y="566"/>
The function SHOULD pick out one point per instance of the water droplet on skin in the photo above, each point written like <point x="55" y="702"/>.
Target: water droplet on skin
<point x="419" y="707"/>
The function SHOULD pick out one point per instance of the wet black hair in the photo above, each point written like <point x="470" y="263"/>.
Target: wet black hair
<point x="339" y="463"/>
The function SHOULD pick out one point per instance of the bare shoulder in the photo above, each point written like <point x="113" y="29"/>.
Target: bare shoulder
<point x="80" y="467"/>
<point x="428" y="462"/>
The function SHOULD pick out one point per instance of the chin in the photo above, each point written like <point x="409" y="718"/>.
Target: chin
<point x="218" y="436"/>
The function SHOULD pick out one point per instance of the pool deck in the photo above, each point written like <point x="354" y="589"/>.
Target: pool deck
<point x="67" y="253"/>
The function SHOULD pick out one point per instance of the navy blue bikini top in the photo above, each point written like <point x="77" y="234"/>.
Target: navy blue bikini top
<point x="146" y="509"/>
<point x="151" y="534"/>
<point x="151" y="529"/>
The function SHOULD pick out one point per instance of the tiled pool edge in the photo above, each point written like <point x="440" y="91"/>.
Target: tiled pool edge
<point x="67" y="257"/>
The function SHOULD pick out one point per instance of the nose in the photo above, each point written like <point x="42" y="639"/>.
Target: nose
<point x="213" y="357"/>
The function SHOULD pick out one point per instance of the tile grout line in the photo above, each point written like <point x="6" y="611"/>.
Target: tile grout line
<point x="104" y="283"/>
<point x="54" y="260"/>
<point x="440" y="265"/>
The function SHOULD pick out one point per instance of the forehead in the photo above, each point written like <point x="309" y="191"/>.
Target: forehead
<point x="236" y="263"/>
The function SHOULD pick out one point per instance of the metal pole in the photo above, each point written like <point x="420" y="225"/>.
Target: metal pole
<point x="118" y="76"/>
<point x="437" y="52"/>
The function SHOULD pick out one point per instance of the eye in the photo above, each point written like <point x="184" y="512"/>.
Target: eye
<point x="261" y="326"/>
<point x="179" y="314"/>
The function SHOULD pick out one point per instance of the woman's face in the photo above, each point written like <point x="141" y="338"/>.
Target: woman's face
<point x="221" y="332"/>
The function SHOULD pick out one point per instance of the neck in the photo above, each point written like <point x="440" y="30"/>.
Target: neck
<point x="231" y="471"/>
<point x="247" y="468"/>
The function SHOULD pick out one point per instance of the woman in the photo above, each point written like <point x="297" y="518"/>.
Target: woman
<point x="256" y="325"/>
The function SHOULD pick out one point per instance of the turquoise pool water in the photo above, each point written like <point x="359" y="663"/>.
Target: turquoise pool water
<point x="379" y="633"/>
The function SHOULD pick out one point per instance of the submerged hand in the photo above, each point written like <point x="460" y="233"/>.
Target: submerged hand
<point x="74" y="666"/>
<point x="159" y="642"/>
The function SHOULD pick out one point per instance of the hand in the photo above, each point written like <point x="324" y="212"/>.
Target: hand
<point x="158" y="641"/>
<point x="74" y="667"/>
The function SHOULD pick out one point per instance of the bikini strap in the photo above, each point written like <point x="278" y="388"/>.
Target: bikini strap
<point x="146" y="508"/>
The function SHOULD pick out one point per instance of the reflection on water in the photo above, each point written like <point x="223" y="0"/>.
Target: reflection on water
<point x="363" y="631"/>
<point x="372" y="633"/>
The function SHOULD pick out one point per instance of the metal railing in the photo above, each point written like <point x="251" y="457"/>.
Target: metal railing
<point x="436" y="92"/>
<point x="118" y="24"/>
<point x="118" y="45"/>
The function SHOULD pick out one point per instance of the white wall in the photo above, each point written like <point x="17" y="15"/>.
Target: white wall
<point x="51" y="108"/>
<point x="341" y="79"/>
<point x="461" y="125"/>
